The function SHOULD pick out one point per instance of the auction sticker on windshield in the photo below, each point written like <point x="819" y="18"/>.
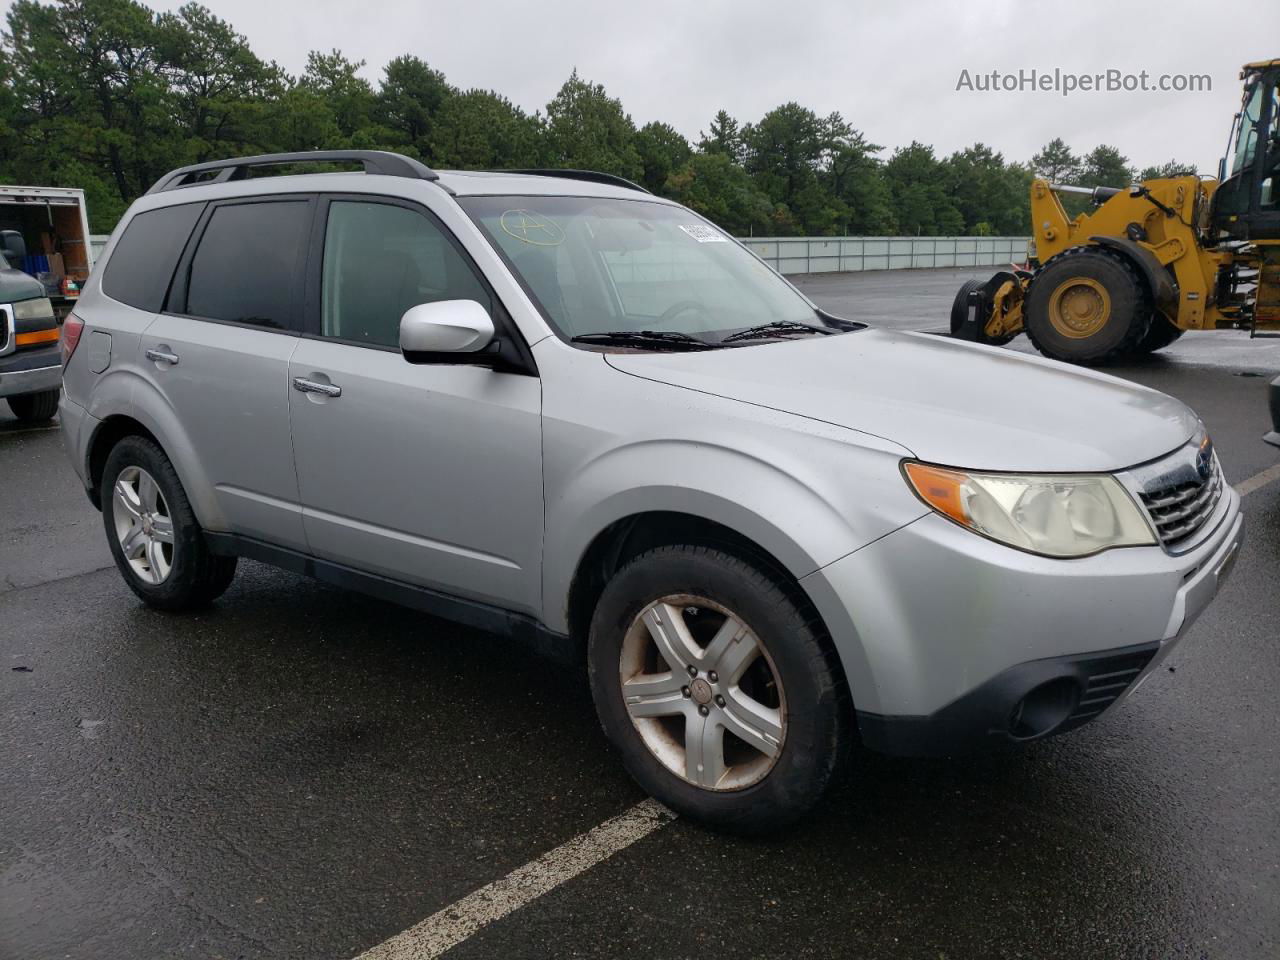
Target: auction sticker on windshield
<point x="702" y="233"/>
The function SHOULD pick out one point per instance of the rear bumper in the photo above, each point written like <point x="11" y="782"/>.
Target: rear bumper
<point x="30" y="371"/>
<point x="952" y="642"/>
<point x="77" y="427"/>
<point x="1273" y="400"/>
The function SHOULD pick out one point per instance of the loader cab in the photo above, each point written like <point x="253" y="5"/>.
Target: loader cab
<point x="1246" y="204"/>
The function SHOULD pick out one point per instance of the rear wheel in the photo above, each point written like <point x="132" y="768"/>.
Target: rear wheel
<point x="153" y="534"/>
<point x="976" y="332"/>
<point x="720" y="692"/>
<point x="1088" y="305"/>
<point x="35" y="407"/>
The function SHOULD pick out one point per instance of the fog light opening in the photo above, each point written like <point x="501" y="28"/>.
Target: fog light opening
<point x="1044" y="709"/>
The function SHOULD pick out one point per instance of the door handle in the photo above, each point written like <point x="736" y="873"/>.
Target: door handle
<point x="160" y="356"/>
<point x="304" y="385"/>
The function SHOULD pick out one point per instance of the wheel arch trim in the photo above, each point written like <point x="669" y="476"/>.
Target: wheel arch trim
<point x="1164" y="293"/>
<point x="148" y="408"/>
<point x="637" y="503"/>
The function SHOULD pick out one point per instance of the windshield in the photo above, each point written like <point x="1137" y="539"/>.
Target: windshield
<point x="604" y="265"/>
<point x="1247" y="131"/>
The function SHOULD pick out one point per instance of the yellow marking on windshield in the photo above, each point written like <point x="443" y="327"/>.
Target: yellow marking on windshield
<point x="528" y="227"/>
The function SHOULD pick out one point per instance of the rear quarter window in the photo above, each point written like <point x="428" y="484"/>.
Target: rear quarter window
<point x="142" y="264"/>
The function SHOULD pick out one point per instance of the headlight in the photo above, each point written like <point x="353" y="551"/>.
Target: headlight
<point x="1064" y="515"/>
<point x="32" y="309"/>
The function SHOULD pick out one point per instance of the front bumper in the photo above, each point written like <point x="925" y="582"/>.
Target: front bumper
<point x="944" y="635"/>
<point x="30" y="371"/>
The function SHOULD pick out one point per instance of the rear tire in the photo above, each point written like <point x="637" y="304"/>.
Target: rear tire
<point x="960" y="327"/>
<point x="1088" y="305"/>
<point x="778" y="673"/>
<point x="34" y="407"/>
<point x="960" y="306"/>
<point x="169" y="565"/>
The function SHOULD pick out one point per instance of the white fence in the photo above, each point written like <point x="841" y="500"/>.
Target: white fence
<point x="98" y="243"/>
<point x="834" y="254"/>
<point x="838" y="254"/>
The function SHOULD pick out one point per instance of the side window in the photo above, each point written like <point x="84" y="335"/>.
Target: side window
<point x="246" y="265"/>
<point x="380" y="260"/>
<point x="142" y="263"/>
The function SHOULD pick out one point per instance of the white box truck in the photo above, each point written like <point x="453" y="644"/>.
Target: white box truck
<point x="45" y="257"/>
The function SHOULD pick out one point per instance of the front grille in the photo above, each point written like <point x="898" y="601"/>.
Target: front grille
<point x="1180" y="509"/>
<point x="6" y="324"/>
<point x="1106" y="679"/>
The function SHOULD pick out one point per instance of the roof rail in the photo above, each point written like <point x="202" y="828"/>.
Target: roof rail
<point x="237" y="168"/>
<point x="590" y="176"/>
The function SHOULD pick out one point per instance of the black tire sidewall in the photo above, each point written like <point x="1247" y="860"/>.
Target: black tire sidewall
<point x="1128" y="320"/>
<point x="35" y="407"/>
<point x="1160" y="334"/>
<point x="960" y="306"/>
<point x="195" y="577"/>
<point x="812" y="690"/>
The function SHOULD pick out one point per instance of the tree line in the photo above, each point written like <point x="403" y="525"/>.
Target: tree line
<point x="108" y="95"/>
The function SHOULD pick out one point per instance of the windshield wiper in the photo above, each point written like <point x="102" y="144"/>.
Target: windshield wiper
<point x="670" y="339"/>
<point x="775" y="328"/>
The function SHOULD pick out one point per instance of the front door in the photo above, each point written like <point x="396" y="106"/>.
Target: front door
<point x="428" y="474"/>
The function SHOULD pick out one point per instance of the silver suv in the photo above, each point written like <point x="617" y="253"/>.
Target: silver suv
<point x="549" y="404"/>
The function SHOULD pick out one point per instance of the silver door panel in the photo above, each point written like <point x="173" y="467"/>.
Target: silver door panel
<point x="430" y="474"/>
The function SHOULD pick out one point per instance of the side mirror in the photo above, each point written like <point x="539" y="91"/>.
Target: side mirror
<point x="14" y="247"/>
<point x="447" y="331"/>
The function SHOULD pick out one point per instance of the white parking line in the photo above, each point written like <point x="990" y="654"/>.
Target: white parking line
<point x="1246" y="487"/>
<point x="460" y="920"/>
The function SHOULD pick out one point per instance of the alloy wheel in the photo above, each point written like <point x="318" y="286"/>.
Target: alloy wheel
<point x="702" y="692"/>
<point x="144" y="526"/>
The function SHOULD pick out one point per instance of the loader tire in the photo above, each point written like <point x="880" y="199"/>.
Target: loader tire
<point x="961" y="329"/>
<point x="1159" y="335"/>
<point x="960" y="306"/>
<point x="1088" y="305"/>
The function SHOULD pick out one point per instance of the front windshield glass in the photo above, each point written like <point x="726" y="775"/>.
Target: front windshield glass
<point x="606" y="265"/>
<point x="1247" y="132"/>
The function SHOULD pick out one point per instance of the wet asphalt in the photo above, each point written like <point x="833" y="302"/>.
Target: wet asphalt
<point x="303" y="772"/>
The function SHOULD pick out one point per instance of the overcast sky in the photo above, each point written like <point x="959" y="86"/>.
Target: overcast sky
<point x="890" y="68"/>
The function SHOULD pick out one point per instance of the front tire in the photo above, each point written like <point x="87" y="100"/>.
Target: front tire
<point x="1087" y="305"/>
<point x="719" y="689"/>
<point x="1159" y="335"/>
<point x="34" y="407"/>
<point x="157" y="543"/>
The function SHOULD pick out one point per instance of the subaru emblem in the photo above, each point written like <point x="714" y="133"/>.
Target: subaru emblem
<point x="1204" y="459"/>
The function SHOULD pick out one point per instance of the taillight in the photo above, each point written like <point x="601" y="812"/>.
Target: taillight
<point x="72" y="327"/>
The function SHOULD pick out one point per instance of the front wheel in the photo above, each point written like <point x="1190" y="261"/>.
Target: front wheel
<point x="1159" y="335"/>
<point x="1087" y="305"/>
<point x="719" y="690"/>
<point x="35" y="407"/>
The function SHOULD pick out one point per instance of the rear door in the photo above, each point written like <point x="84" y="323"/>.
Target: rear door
<point x="219" y="354"/>
<point x="430" y="474"/>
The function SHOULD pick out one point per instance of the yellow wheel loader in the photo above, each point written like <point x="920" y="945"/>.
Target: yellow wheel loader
<point x="1151" y="260"/>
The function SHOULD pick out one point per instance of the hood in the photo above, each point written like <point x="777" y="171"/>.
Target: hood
<point x="16" y="285"/>
<point x="947" y="401"/>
